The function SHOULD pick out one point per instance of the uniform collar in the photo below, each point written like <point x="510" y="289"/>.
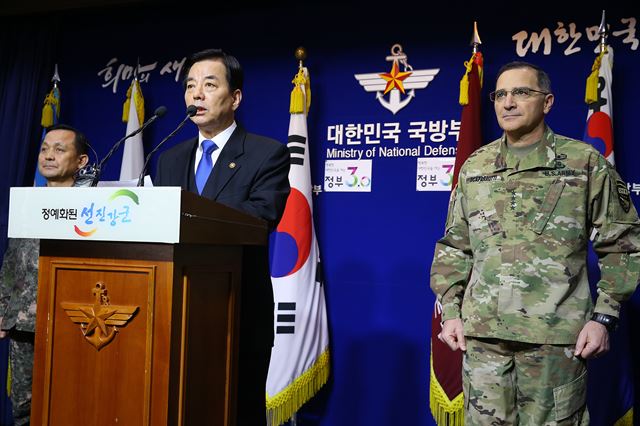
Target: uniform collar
<point x="542" y="157"/>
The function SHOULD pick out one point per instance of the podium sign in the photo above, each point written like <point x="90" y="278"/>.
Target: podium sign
<point x="138" y="304"/>
<point x="104" y="214"/>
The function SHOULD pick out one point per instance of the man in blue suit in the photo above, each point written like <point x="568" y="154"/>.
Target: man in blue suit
<point x="250" y="172"/>
<point x="241" y="170"/>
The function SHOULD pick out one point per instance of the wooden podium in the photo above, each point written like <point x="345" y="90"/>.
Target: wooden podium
<point x="142" y="333"/>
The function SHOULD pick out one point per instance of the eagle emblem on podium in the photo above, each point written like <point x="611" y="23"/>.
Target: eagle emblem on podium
<point x="99" y="322"/>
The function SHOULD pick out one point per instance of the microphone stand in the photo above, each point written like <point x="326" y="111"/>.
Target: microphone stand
<point x="85" y="176"/>
<point x="191" y="111"/>
<point x="97" y="170"/>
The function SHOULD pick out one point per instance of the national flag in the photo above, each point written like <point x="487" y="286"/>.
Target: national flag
<point x="610" y="381"/>
<point x="445" y="390"/>
<point x="133" y="115"/>
<point x="599" y="129"/>
<point x="300" y="355"/>
<point x="50" y="117"/>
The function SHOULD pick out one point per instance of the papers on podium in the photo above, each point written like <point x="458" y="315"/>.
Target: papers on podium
<point x="148" y="183"/>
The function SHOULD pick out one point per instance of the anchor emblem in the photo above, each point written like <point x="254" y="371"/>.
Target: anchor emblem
<point x="99" y="322"/>
<point x="395" y="82"/>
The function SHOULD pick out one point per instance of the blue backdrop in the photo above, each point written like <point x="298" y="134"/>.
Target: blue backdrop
<point x="376" y="245"/>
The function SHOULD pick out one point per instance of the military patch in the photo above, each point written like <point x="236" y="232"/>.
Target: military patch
<point x="623" y="195"/>
<point x="567" y="172"/>
<point x="487" y="178"/>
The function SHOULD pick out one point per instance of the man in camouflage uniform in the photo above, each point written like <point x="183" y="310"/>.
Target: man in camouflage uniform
<point x="63" y="153"/>
<point x="511" y="270"/>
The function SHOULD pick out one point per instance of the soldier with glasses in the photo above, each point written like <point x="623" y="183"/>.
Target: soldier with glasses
<point x="511" y="269"/>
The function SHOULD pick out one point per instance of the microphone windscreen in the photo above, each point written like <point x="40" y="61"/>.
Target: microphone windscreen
<point x="192" y="110"/>
<point x="160" y="111"/>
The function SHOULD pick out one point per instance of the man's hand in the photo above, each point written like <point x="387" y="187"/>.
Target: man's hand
<point x="452" y="335"/>
<point x="593" y="341"/>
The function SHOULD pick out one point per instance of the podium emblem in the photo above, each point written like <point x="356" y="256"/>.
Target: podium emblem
<point x="99" y="322"/>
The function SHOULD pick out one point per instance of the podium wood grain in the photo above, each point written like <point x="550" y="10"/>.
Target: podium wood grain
<point x="172" y="363"/>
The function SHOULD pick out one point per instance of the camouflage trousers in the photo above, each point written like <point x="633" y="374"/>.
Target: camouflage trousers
<point x="513" y="383"/>
<point x="21" y="356"/>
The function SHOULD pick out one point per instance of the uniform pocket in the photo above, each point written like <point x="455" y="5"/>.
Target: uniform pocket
<point x="570" y="397"/>
<point x="542" y="216"/>
<point x="483" y="224"/>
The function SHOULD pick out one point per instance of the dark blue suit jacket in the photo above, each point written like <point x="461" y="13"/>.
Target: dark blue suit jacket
<point x="251" y="174"/>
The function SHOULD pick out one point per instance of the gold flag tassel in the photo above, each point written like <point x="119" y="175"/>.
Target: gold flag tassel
<point x="47" y="110"/>
<point x="138" y="101"/>
<point x="591" y="92"/>
<point x="444" y="411"/>
<point x="297" y="106"/>
<point x="9" y="376"/>
<point x="626" y="420"/>
<point x="464" y="82"/>
<point x="285" y="404"/>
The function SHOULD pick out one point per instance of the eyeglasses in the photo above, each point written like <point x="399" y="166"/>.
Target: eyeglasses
<point x="517" y="93"/>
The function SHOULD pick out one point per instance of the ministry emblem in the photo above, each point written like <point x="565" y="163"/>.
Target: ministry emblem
<point x="99" y="322"/>
<point x="396" y="88"/>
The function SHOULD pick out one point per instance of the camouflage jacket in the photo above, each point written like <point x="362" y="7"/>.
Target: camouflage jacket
<point x="19" y="284"/>
<point x="512" y="263"/>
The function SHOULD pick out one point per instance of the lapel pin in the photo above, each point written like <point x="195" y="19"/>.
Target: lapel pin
<point x="232" y="165"/>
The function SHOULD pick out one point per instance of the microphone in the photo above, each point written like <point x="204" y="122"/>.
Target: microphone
<point x="159" y="112"/>
<point x="191" y="111"/>
<point x="85" y="176"/>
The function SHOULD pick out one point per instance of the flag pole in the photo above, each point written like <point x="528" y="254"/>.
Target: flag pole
<point x="616" y="405"/>
<point x="591" y="91"/>
<point x="475" y="38"/>
<point x="50" y="115"/>
<point x="301" y="55"/>
<point x="446" y="399"/>
<point x="56" y="77"/>
<point x="300" y="100"/>
<point x="300" y="359"/>
<point x="602" y="31"/>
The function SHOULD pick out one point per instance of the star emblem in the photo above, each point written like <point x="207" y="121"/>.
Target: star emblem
<point x="99" y="322"/>
<point x="97" y="314"/>
<point x="395" y="78"/>
<point x="394" y="90"/>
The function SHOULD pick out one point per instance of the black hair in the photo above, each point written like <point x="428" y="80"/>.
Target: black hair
<point x="80" y="141"/>
<point x="235" y="75"/>
<point x="544" y="82"/>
